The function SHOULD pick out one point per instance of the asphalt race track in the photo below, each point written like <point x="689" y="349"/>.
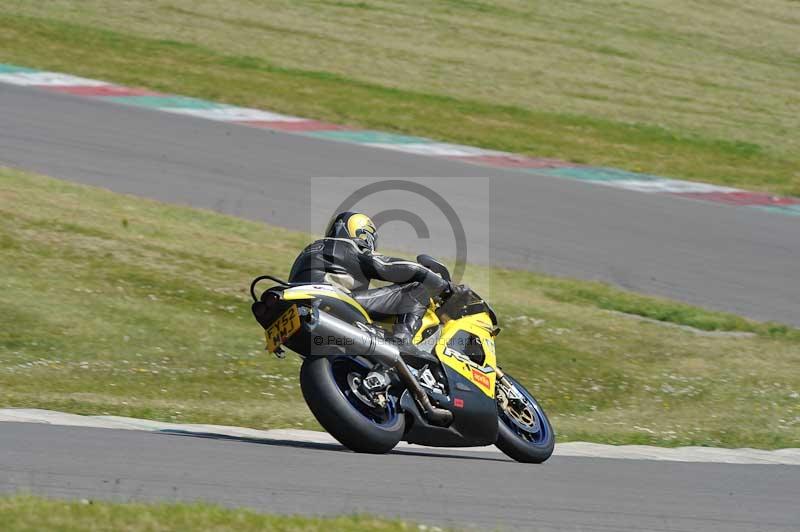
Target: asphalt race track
<point x="736" y="259"/>
<point x="428" y="487"/>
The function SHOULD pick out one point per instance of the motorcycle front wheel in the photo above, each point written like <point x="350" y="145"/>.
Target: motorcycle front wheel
<point x="524" y="432"/>
<point x="330" y="388"/>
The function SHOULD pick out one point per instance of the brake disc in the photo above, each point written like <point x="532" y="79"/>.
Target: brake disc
<point x="517" y="408"/>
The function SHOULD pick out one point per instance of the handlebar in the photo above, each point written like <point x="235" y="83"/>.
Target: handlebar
<point x="457" y="299"/>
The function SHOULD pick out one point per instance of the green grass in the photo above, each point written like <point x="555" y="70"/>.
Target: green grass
<point x="664" y="87"/>
<point x="36" y="514"/>
<point x="117" y="305"/>
<point x="605" y="297"/>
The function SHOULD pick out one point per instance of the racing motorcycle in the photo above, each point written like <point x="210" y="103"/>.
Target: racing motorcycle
<point x="370" y="393"/>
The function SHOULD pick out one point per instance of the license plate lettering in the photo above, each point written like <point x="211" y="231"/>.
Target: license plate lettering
<point x="283" y="328"/>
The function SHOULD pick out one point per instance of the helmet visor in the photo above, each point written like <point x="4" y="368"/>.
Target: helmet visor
<point x="369" y="239"/>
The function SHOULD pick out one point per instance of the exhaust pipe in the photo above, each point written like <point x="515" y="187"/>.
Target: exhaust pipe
<point x="329" y="330"/>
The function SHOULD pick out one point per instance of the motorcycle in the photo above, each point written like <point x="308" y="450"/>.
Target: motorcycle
<point x="371" y="393"/>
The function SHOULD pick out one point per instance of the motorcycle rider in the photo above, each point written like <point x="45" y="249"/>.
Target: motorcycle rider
<point x="347" y="258"/>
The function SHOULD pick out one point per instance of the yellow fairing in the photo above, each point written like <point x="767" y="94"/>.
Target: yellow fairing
<point x="430" y="319"/>
<point x="313" y="291"/>
<point x="481" y="326"/>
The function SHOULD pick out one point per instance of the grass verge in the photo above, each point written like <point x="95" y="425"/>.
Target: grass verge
<point x="36" y="514"/>
<point x="685" y="128"/>
<point x="112" y="304"/>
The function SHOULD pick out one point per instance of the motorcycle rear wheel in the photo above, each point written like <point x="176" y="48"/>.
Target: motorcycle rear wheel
<point x="326" y="389"/>
<point x="525" y="436"/>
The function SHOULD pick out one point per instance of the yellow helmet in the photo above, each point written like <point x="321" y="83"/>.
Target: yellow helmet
<point x="356" y="226"/>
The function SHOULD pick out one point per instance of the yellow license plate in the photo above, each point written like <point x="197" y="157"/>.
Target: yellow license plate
<point x="283" y="328"/>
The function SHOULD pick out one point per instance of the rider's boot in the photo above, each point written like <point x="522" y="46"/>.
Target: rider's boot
<point x="403" y="333"/>
<point x="405" y="328"/>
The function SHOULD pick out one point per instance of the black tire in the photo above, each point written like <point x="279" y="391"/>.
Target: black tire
<point x="513" y="444"/>
<point x="339" y="417"/>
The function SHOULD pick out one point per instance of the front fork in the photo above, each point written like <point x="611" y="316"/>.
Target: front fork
<point x="501" y="378"/>
<point x="508" y="392"/>
<point x="512" y="402"/>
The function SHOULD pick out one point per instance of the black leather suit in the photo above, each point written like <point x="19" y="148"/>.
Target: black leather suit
<point x="341" y="262"/>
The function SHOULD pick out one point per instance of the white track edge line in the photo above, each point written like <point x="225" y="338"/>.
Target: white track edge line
<point x="574" y="449"/>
